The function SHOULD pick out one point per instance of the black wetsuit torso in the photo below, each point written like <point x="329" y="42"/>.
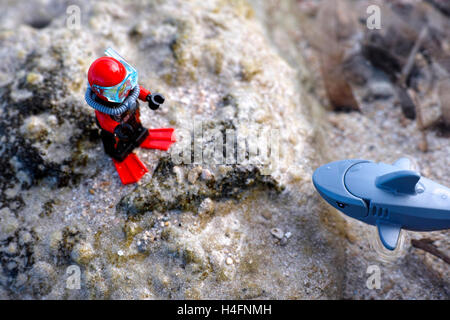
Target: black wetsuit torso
<point x="116" y="147"/>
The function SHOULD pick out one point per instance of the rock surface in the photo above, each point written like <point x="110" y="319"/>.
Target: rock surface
<point x="198" y="228"/>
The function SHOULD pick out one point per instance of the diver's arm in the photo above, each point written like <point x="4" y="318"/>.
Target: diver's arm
<point x="154" y="100"/>
<point x="143" y="93"/>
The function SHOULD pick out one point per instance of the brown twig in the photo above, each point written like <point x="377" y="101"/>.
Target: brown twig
<point x="423" y="146"/>
<point x="412" y="56"/>
<point x="428" y="246"/>
<point x="402" y="83"/>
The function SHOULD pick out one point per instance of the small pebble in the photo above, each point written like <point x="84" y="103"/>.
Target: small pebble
<point x="277" y="233"/>
<point x="206" y="175"/>
<point x="267" y="215"/>
<point x="229" y="261"/>
<point x="206" y="207"/>
<point x="91" y="191"/>
<point x="25" y="237"/>
<point x="179" y="173"/>
<point x="193" y="174"/>
<point x="12" y="248"/>
<point x="105" y="184"/>
<point x="82" y="253"/>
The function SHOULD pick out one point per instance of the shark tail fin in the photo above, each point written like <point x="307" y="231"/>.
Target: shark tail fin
<point x="403" y="163"/>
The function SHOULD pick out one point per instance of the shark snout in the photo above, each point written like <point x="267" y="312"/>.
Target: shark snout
<point x="329" y="182"/>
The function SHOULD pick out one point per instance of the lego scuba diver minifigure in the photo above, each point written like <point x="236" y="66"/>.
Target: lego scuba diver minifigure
<point x="113" y="91"/>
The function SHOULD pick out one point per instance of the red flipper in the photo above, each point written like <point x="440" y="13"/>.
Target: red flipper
<point x="160" y="139"/>
<point x="131" y="169"/>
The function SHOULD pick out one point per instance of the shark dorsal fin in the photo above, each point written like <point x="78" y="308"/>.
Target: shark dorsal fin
<point x="389" y="234"/>
<point x="402" y="181"/>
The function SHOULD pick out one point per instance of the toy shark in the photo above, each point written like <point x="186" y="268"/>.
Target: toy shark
<point x="391" y="197"/>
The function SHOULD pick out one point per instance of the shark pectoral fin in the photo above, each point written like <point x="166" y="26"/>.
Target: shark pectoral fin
<point x="389" y="234"/>
<point x="403" y="181"/>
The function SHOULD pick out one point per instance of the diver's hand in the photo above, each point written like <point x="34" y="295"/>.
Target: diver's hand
<point x="123" y="131"/>
<point x="155" y="100"/>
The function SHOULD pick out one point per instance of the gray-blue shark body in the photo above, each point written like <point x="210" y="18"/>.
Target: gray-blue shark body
<point x="391" y="197"/>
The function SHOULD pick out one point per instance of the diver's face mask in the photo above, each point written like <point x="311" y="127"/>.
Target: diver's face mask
<point x="120" y="91"/>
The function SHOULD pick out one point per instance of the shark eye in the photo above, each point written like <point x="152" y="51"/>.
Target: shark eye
<point x="340" y="204"/>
